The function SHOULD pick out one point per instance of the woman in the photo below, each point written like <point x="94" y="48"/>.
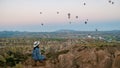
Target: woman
<point x="36" y="54"/>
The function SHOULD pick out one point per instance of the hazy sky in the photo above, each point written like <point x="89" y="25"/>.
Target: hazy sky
<point x="24" y="15"/>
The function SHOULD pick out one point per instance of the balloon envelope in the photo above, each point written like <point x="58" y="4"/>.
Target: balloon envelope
<point x="84" y="3"/>
<point x="68" y="15"/>
<point x="57" y="12"/>
<point x="40" y="12"/>
<point x="85" y="22"/>
<point x="76" y="17"/>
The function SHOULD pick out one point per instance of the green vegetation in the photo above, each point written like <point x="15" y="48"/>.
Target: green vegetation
<point x="10" y="56"/>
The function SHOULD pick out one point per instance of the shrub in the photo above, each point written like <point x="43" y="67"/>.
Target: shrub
<point x="2" y="59"/>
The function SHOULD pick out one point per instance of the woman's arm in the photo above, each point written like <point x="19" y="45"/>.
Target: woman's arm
<point x="38" y="53"/>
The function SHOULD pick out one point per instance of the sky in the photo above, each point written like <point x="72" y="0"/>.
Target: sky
<point x="24" y="15"/>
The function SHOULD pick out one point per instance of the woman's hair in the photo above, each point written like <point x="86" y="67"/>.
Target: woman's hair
<point x="36" y="47"/>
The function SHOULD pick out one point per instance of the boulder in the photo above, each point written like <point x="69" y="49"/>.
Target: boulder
<point x="116" y="62"/>
<point x="65" y="60"/>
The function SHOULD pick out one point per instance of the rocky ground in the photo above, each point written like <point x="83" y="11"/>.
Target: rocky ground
<point x="68" y="54"/>
<point x="82" y="57"/>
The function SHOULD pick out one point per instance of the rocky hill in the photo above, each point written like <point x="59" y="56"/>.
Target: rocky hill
<point x="83" y="57"/>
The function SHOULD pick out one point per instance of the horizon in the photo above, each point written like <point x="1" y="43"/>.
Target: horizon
<point x="60" y="30"/>
<point x="43" y="16"/>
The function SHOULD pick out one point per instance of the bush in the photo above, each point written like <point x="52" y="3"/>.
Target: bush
<point x="19" y="65"/>
<point x="2" y="59"/>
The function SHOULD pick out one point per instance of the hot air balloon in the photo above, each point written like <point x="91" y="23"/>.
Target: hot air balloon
<point x="69" y="22"/>
<point x="84" y="3"/>
<point x="85" y="22"/>
<point x="109" y="1"/>
<point x="96" y="29"/>
<point x="76" y="17"/>
<point x="112" y="2"/>
<point x="40" y="12"/>
<point x="87" y="19"/>
<point x="57" y="12"/>
<point x="42" y="24"/>
<point x="68" y="15"/>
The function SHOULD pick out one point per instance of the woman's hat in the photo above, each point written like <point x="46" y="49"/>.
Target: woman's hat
<point x="36" y="43"/>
